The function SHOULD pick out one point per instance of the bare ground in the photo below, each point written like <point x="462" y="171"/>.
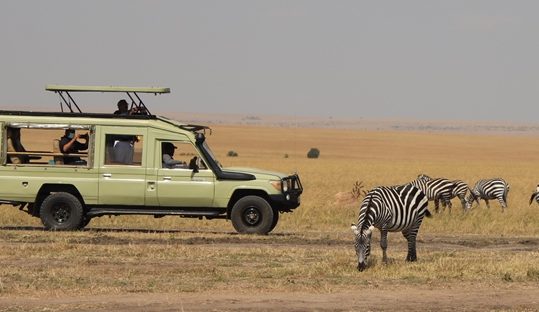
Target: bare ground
<point x="390" y="298"/>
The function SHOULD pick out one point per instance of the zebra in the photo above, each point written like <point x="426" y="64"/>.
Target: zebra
<point x="390" y="209"/>
<point x="535" y="195"/>
<point x="435" y="189"/>
<point x="460" y="189"/>
<point x="489" y="189"/>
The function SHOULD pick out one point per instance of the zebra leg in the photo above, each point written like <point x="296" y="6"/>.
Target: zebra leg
<point x="410" y="237"/>
<point x="436" y="205"/>
<point x="449" y="204"/>
<point x="383" y="244"/>
<point x="503" y="203"/>
<point x="463" y="202"/>
<point x="486" y="202"/>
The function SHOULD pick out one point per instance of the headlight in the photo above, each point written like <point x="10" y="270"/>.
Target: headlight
<point x="285" y="186"/>
<point x="277" y="185"/>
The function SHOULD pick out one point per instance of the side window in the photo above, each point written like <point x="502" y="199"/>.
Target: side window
<point x="122" y="149"/>
<point x="180" y="155"/>
<point x="41" y="144"/>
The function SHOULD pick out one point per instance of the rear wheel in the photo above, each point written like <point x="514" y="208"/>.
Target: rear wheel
<point x="253" y="215"/>
<point x="61" y="211"/>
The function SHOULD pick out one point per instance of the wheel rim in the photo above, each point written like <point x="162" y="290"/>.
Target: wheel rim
<point x="61" y="213"/>
<point x="251" y="216"/>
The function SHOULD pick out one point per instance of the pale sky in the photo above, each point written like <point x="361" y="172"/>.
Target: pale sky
<point x="454" y="59"/>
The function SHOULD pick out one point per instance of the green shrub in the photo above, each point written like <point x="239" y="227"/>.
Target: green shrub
<point x="232" y="154"/>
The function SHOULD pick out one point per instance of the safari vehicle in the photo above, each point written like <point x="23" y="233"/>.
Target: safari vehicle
<point x="36" y="178"/>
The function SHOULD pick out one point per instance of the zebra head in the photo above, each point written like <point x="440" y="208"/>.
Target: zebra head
<point x="362" y="245"/>
<point x="471" y="198"/>
<point x="424" y="177"/>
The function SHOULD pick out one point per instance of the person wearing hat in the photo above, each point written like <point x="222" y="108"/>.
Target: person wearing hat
<point x="167" y="150"/>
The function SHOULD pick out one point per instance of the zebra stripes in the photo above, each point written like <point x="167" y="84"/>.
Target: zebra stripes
<point x="435" y="189"/>
<point x="459" y="190"/>
<point x="535" y="195"/>
<point x="489" y="189"/>
<point x="390" y="209"/>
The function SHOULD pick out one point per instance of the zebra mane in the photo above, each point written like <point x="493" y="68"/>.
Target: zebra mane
<point x="362" y="226"/>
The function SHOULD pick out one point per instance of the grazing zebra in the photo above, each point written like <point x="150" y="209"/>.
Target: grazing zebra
<point x="460" y="189"/>
<point x="489" y="189"/>
<point x="390" y="209"/>
<point x="435" y="189"/>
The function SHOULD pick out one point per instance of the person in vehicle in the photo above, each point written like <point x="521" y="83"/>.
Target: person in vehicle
<point x="123" y="149"/>
<point x="69" y="144"/>
<point x="123" y="108"/>
<point x="15" y="145"/>
<point x="167" y="149"/>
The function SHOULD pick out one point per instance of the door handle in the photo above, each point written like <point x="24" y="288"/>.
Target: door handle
<point x="167" y="178"/>
<point x="107" y="175"/>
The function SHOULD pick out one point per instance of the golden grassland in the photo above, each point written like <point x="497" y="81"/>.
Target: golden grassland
<point x="311" y="248"/>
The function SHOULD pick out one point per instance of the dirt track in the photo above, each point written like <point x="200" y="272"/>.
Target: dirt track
<point x="454" y="297"/>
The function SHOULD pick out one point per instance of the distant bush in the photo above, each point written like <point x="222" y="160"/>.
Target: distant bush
<point x="313" y="153"/>
<point x="232" y="154"/>
<point x="285" y="155"/>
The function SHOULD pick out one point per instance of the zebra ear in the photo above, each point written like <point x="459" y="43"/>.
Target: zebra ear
<point x="354" y="229"/>
<point x="369" y="230"/>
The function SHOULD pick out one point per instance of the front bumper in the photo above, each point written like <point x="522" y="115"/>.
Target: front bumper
<point x="291" y="192"/>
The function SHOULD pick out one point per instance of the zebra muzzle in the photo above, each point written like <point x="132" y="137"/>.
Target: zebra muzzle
<point x="361" y="266"/>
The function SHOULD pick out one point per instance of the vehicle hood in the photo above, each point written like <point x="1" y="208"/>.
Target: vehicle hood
<point x="260" y="174"/>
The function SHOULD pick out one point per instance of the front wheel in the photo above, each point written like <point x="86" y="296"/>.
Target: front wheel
<point x="61" y="211"/>
<point x="252" y="215"/>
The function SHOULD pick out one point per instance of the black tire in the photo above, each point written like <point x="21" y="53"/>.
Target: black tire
<point x="252" y="215"/>
<point x="61" y="212"/>
<point x="275" y="219"/>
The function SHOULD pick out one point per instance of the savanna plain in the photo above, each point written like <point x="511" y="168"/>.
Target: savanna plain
<point x="483" y="259"/>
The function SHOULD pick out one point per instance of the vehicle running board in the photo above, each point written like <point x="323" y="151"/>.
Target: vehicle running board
<point x="97" y="212"/>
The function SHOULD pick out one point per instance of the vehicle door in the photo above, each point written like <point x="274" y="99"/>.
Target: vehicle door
<point x="177" y="184"/>
<point x="122" y="166"/>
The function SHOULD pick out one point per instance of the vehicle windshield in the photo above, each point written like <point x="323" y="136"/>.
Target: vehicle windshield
<point x="211" y="154"/>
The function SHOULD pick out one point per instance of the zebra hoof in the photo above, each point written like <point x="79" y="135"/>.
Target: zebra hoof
<point x="411" y="258"/>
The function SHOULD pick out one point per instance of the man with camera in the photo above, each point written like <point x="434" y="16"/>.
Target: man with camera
<point x="70" y="145"/>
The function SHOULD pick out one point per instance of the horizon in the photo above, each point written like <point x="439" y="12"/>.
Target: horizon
<point x="458" y="60"/>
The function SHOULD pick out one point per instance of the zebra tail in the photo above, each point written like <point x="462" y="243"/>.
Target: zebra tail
<point x="428" y="214"/>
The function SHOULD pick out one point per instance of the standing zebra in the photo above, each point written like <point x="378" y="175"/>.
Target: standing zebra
<point x="489" y="189"/>
<point x="435" y="189"/>
<point x="390" y="209"/>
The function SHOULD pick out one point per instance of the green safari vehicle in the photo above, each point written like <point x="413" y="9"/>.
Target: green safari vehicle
<point x="124" y="164"/>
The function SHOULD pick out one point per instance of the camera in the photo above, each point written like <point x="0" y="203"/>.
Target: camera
<point x="84" y="136"/>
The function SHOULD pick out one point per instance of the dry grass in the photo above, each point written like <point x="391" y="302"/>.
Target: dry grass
<point x="102" y="262"/>
<point x="310" y="248"/>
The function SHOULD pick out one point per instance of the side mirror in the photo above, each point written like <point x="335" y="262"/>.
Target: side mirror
<point x="193" y="164"/>
<point x="200" y="138"/>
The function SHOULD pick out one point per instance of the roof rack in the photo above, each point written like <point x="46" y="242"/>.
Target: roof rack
<point x="132" y="92"/>
<point x="195" y="128"/>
